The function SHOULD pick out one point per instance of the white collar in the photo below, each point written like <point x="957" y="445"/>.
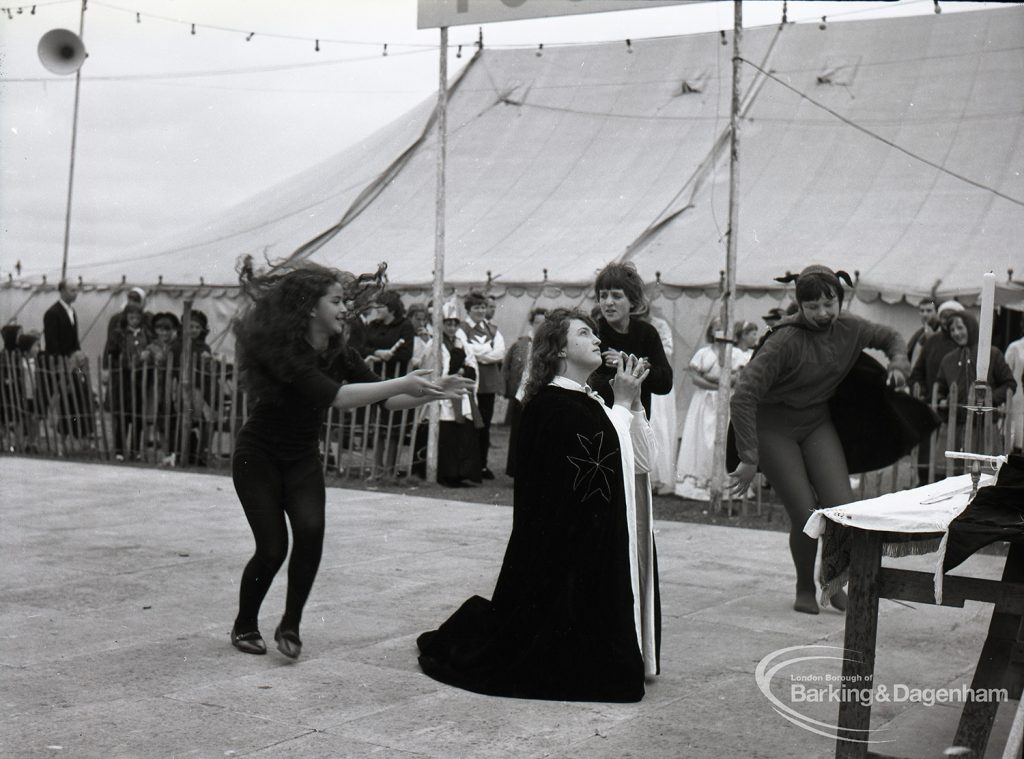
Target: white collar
<point x="67" y="307"/>
<point x="568" y="384"/>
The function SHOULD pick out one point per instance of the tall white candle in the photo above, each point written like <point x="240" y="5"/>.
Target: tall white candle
<point x="988" y="302"/>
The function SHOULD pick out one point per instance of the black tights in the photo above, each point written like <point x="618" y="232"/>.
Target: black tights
<point x="269" y="489"/>
<point x="485" y="402"/>
<point x="804" y="461"/>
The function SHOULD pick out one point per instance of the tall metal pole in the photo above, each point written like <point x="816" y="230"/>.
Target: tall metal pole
<point x="74" y="140"/>
<point x="719" y="485"/>
<point x="438" y="318"/>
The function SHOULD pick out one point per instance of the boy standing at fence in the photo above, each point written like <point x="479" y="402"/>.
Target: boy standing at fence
<point x="483" y="340"/>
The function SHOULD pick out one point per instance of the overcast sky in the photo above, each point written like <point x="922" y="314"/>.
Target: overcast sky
<point x="175" y="126"/>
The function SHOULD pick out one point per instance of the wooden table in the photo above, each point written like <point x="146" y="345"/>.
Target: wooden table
<point x="998" y="664"/>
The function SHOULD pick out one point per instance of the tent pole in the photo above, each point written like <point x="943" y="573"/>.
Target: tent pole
<point x="438" y="318"/>
<point x="719" y="485"/>
<point x="74" y="140"/>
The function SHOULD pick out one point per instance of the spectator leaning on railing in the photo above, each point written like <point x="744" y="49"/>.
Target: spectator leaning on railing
<point x="125" y="350"/>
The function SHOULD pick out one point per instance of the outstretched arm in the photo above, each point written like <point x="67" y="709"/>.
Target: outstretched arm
<point x="416" y="385"/>
<point x="452" y="386"/>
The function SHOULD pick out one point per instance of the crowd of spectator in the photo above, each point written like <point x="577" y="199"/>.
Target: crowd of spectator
<point x="143" y="355"/>
<point x="140" y="380"/>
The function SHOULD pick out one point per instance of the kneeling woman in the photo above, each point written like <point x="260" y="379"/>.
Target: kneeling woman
<point x="565" y="621"/>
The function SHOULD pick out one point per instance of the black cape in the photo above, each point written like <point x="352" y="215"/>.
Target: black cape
<point x="995" y="513"/>
<point x="877" y="425"/>
<point x="560" y="622"/>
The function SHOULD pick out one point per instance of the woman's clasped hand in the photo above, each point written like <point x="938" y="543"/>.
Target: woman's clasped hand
<point x="629" y="376"/>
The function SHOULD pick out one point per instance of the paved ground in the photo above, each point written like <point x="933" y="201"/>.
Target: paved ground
<point x="118" y="587"/>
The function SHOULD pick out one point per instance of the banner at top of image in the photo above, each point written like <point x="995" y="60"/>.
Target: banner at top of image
<point x="437" y="13"/>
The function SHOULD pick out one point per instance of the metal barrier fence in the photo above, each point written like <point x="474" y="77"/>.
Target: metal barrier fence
<point x="153" y="412"/>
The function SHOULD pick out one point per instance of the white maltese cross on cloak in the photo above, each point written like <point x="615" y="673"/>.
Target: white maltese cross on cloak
<point x="592" y="473"/>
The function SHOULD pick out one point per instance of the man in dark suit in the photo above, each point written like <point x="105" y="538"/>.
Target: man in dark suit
<point x="60" y="324"/>
<point x="67" y="364"/>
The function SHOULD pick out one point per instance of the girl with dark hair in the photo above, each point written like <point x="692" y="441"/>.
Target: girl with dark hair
<point x="390" y="337"/>
<point x="388" y="347"/>
<point x="781" y="416"/>
<point x="419" y="318"/>
<point x="205" y="391"/>
<point x="11" y="333"/>
<point x="620" y="294"/>
<point x="570" y="613"/>
<point x="286" y="340"/>
<point x="161" y="354"/>
<point x="125" y="351"/>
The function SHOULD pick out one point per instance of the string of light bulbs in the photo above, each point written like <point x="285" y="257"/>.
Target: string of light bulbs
<point x="193" y="29"/>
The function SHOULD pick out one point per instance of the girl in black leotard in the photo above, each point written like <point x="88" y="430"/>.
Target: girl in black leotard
<point x="294" y="362"/>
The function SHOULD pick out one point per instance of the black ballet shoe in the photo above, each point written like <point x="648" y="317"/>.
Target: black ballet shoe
<point x="805" y="602"/>
<point x="248" y="642"/>
<point x="288" y="642"/>
<point x="838" y="600"/>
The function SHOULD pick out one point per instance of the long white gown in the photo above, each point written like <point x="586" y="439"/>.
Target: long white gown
<point x="1015" y="360"/>
<point x="697" y="447"/>
<point x="663" y="421"/>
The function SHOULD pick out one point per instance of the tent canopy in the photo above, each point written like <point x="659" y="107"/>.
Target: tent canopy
<point x="562" y="161"/>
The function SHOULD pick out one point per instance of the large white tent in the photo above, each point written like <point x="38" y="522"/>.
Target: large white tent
<point x="891" y="148"/>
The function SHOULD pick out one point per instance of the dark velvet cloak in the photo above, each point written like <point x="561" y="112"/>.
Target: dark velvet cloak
<point x="560" y="623"/>
<point x="995" y="513"/>
<point x="877" y="425"/>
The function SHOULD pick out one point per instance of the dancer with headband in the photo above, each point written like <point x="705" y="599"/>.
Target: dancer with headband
<point x="781" y="415"/>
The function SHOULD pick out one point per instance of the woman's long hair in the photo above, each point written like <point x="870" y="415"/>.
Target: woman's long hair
<point x="548" y="342"/>
<point x="270" y="332"/>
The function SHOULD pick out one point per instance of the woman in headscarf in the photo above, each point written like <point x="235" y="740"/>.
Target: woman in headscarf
<point x="959" y="367"/>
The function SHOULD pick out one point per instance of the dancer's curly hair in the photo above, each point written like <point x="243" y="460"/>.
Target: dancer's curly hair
<point x="270" y="332"/>
<point x="548" y="342"/>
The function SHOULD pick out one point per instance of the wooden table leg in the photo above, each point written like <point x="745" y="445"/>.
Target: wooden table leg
<point x="861" y="629"/>
<point x="993" y="665"/>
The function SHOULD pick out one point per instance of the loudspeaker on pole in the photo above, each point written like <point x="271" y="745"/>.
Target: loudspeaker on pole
<point x="61" y="51"/>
